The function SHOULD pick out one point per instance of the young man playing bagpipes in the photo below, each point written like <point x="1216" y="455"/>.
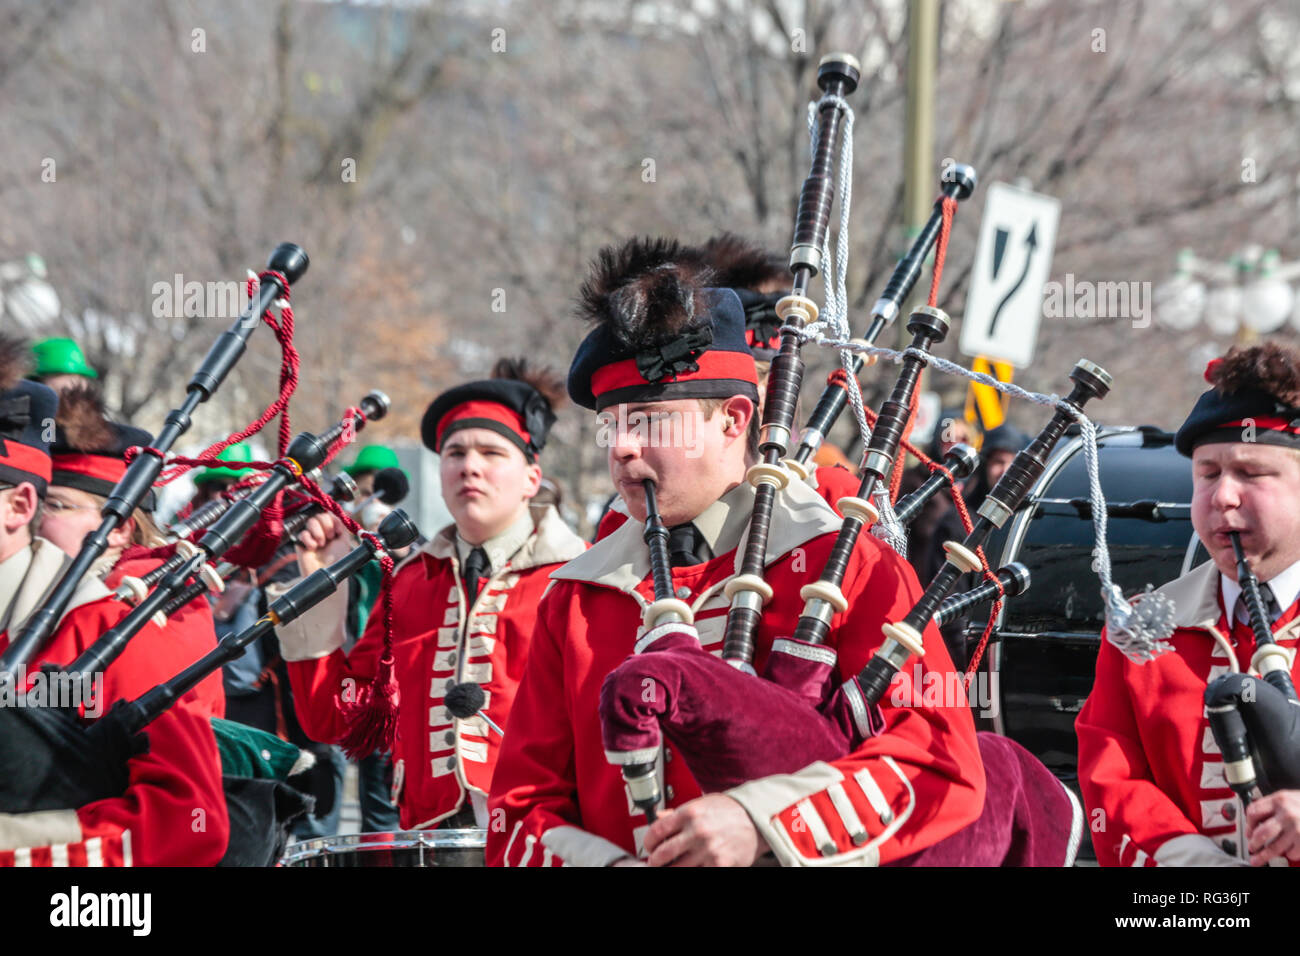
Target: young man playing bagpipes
<point x="463" y="606"/>
<point x="1155" y="776"/>
<point x="88" y="461"/>
<point x="161" y="800"/>
<point x="671" y="375"/>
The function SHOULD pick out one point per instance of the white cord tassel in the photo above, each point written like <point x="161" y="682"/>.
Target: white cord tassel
<point x="1139" y="630"/>
<point x="835" y="313"/>
<point x="887" y="527"/>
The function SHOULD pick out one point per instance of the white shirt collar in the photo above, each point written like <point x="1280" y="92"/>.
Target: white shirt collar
<point x="1285" y="587"/>
<point x="13" y="571"/>
<point x="501" y="548"/>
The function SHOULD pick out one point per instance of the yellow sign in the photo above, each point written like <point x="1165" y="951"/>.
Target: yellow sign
<point x="985" y="402"/>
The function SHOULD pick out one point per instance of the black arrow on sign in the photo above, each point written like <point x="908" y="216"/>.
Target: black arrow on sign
<point x="1000" y="237"/>
<point x="1031" y="243"/>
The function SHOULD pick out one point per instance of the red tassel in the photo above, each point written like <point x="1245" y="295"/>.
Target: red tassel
<point x="259" y="545"/>
<point x="372" y="717"/>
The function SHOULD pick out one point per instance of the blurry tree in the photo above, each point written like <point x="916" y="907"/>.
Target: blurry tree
<point x="451" y="168"/>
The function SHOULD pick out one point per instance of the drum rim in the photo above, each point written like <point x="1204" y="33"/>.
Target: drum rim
<point x="1019" y="529"/>
<point x="464" y="839"/>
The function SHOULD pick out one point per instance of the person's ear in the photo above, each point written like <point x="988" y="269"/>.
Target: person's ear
<point x="534" y="484"/>
<point x="22" y="502"/>
<point x="120" y="537"/>
<point x="736" y="413"/>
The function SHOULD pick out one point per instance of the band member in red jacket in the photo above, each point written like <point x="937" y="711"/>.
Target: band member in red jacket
<point x="1151" y="773"/>
<point x="173" y="811"/>
<point x="671" y="376"/>
<point x="464" y="606"/>
<point x="88" y="461"/>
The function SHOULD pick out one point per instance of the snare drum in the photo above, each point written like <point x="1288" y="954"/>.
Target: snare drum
<point x="400" y="848"/>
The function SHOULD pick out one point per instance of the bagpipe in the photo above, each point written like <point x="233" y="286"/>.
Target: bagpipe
<point x="257" y="546"/>
<point x="1256" y="721"/>
<point x="285" y="266"/>
<point x="390" y="488"/>
<point x="53" y="757"/>
<point x="732" y="725"/>
<point x="305" y="453"/>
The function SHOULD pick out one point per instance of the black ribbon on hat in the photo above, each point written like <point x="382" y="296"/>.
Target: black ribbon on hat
<point x="760" y="313"/>
<point x="675" y="357"/>
<point x="15" y="416"/>
<point x="538" y="419"/>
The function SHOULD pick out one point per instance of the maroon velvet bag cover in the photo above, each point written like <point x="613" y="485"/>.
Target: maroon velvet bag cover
<point x="732" y="727"/>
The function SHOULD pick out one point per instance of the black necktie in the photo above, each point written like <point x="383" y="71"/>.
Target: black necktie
<point x="1270" y="604"/>
<point x="476" y="566"/>
<point x="687" y="547"/>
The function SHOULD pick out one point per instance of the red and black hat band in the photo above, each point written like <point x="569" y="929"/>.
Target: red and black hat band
<point x="96" y="486"/>
<point x="10" y="475"/>
<point x="1262" y="435"/>
<point x="673" y="391"/>
<point x="20" y="462"/>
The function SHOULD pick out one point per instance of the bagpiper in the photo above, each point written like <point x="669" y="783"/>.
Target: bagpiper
<point x="88" y="461"/>
<point x="172" y="811"/>
<point x="759" y="278"/>
<point x="666" y="349"/>
<point x="1151" y="771"/>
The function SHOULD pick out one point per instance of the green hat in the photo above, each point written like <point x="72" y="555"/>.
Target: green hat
<point x="240" y="451"/>
<point x="248" y="752"/>
<point x="373" y="458"/>
<point x="61" y="357"/>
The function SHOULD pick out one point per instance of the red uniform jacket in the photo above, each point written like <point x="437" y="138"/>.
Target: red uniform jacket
<point x="437" y="642"/>
<point x="190" y="635"/>
<point x="1150" y="771"/>
<point x="173" y="812"/>
<point x="563" y="802"/>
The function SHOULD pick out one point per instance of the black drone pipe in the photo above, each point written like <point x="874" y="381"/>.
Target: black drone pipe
<point x="288" y="261"/>
<point x="958" y="182"/>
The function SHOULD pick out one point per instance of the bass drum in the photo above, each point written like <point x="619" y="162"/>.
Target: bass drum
<point x="400" y="848"/>
<point x="1042" y="656"/>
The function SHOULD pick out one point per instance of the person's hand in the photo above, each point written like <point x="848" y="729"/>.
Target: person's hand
<point x="713" y="830"/>
<point x="323" y="540"/>
<point x="1273" y="827"/>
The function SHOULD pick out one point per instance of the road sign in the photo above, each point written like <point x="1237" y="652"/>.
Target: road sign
<point x="984" y="403"/>
<point x="928" y="407"/>
<point x="1012" y="262"/>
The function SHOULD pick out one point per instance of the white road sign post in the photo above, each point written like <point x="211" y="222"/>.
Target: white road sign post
<point x="1012" y="262"/>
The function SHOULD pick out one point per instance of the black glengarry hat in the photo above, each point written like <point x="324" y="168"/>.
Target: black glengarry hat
<point x="1256" y="397"/>
<point x="661" y="334"/>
